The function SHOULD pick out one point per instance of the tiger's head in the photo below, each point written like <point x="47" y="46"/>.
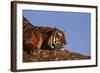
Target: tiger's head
<point x="57" y="39"/>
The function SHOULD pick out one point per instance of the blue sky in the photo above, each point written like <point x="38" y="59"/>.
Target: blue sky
<point x="77" y="27"/>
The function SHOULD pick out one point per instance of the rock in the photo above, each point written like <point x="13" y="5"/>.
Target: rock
<point x="55" y="55"/>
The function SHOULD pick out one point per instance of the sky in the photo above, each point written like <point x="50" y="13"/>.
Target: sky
<point x="76" y="26"/>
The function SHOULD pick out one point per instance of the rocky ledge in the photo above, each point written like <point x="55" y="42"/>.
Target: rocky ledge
<point x="55" y="55"/>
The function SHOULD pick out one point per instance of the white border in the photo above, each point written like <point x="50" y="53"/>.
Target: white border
<point x="21" y="65"/>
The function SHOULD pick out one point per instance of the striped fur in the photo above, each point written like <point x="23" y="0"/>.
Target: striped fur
<point x="37" y="37"/>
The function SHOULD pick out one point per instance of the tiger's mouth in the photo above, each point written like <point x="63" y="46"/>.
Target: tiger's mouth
<point x="63" y="47"/>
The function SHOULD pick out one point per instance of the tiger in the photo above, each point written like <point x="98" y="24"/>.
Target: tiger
<point x="36" y="38"/>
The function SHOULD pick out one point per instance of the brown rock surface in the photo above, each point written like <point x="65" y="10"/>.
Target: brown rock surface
<point x="57" y="55"/>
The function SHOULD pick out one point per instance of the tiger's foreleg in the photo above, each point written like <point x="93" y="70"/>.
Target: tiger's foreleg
<point x="36" y="50"/>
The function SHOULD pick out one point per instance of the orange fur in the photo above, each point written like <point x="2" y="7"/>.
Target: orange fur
<point x="36" y="38"/>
